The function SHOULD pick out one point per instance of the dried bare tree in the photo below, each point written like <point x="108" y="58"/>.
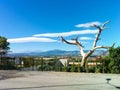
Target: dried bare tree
<point x="94" y="47"/>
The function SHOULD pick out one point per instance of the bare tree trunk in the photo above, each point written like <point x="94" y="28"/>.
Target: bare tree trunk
<point x="84" y="58"/>
<point x="83" y="61"/>
<point x="77" y="43"/>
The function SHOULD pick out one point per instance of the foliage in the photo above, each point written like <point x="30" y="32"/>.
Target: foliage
<point x="73" y="67"/>
<point x="65" y="68"/>
<point x="105" y="65"/>
<point x="28" y="61"/>
<point x="79" y="67"/>
<point x="57" y="66"/>
<point x="86" y="66"/>
<point x="111" y="63"/>
<point x="42" y="65"/>
<point x="114" y="60"/>
<point x="6" y="64"/>
<point x="4" y="45"/>
<point x="97" y="70"/>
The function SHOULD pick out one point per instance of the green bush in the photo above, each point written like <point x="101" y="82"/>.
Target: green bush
<point x="111" y="64"/>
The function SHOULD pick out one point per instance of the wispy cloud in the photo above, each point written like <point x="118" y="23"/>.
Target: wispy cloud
<point x="65" y="34"/>
<point x="87" y="25"/>
<point x="47" y="37"/>
<point x="30" y="39"/>
<point x="86" y="38"/>
<point x="74" y="41"/>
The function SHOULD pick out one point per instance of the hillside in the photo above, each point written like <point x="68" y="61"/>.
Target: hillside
<point x="56" y="53"/>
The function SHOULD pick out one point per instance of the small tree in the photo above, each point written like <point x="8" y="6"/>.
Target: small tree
<point x="65" y="68"/>
<point x="42" y="65"/>
<point x="94" y="47"/>
<point x="73" y="67"/>
<point x="79" y="67"/>
<point x="87" y="67"/>
<point x="4" y="45"/>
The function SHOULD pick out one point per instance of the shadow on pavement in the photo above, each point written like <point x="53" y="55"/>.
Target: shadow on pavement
<point x="51" y="86"/>
<point x="108" y="82"/>
<point x="118" y="87"/>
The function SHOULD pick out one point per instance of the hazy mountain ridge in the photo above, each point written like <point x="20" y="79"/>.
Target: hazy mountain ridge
<point x="56" y="53"/>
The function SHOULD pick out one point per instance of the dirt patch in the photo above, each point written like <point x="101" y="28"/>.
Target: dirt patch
<point x="7" y="74"/>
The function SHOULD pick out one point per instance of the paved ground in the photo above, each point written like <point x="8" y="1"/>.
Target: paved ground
<point x="58" y="81"/>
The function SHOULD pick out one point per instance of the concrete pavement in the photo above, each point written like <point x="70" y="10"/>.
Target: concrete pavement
<point x="33" y="80"/>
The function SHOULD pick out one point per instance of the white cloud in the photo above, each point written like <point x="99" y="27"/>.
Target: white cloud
<point x="87" y="25"/>
<point x="72" y="41"/>
<point x="44" y="37"/>
<point x="65" y="34"/>
<point x="86" y="38"/>
<point x="30" y="39"/>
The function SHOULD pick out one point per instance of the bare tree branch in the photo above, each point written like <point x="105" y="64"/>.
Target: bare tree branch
<point x="98" y="47"/>
<point x="99" y="33"/>
<point x="113" y="45"/>
<point x="99" y="28"/>
<point x="97" y="38"/>
<point x="63" y="40"/>
<point x="106" y="47"/>
<point x="103" y="26"/>
<point x="77" y="43"/>
<point x="76" y="39"/>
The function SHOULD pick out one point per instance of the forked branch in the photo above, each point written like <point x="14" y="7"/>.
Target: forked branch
<point x="94" y="47"/>
<point x="100" y="29"/>
<point x="77" y="43"/>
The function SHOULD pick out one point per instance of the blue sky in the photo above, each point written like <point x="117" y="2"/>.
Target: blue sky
<point x="34" y="25"/>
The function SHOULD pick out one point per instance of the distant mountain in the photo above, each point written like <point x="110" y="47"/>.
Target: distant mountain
<point x="56" y="53"/>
